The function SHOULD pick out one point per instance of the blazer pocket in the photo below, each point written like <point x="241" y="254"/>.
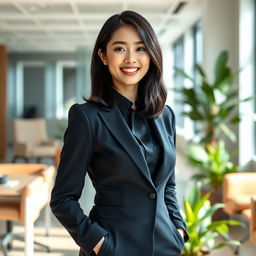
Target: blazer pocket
<point x="109" y="197"/>
<point x="109" y="204"/>
<point x="178" y="235"/>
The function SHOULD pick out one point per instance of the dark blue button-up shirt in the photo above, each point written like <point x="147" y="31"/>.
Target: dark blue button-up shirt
<point x="142" y="130"/>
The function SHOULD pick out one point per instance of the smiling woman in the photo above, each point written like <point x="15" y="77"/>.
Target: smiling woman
<point x="124" y="138"/>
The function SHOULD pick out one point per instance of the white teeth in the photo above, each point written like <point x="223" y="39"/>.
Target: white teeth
<point x="129" y="69"/>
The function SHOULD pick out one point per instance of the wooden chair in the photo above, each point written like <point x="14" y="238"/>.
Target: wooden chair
<point x="31" y="141"/>
<point x="239" y="192"/>
<point x="238" y="189"/>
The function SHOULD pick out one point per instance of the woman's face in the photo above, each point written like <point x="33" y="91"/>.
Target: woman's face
<point x="126" y="56"/>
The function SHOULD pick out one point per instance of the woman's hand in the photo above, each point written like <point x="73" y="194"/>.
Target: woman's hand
<point x="97" y="247"/>
<point x="181" y="231"/>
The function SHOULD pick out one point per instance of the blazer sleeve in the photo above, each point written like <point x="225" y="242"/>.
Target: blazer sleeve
<point x="75" y="158"/>
<point x="170" y="191"/>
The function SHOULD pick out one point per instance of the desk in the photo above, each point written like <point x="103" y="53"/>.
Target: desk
<point x="23" y="179"/>
<point x="24" y="194"/>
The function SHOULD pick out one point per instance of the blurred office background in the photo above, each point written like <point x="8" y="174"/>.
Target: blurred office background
<point x="45" y="51"/>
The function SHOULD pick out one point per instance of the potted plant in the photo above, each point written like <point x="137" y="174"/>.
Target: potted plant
<point x="212" y="104"/>
<point x="204" y="234"/>
<point x="211" y="163"/>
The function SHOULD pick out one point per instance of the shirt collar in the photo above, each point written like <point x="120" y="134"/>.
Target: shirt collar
<point x="122" y="101"/>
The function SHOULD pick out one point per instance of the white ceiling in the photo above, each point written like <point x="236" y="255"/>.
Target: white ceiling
<point x="65" y="25"/>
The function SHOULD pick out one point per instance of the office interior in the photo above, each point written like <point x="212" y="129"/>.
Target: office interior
<point x="45" y="51"/>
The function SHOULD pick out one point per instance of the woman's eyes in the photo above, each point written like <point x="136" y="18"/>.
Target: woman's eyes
<point x="142" y="49"/>
<point x="118" y="49"/>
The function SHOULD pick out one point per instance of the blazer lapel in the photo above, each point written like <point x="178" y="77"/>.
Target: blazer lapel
<point x="164" y="166"/>
<point x="118" y="127"/>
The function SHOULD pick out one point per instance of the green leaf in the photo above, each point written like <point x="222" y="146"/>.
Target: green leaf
<point x="202" y="230"/>
<point x="195" y="193"/>
<point x="228" y="132"/>
<point x="201" y="203"/>
<point x="216" y="223"/>
<point x="195" y="115"/>
<point x="201" y="177"/>
<point x="222" y="229"/>
<point x="212" y="210"/>
<point x="183" y="74"/>
<point x="235" y="120"/>
<point x="222" y="244"/>
<point x="189" y="212"/>
<point x="221" y="62"/>
<point x="247" y="99"/>
<point x="201" y="72"/>
<point x="208" y="90"/>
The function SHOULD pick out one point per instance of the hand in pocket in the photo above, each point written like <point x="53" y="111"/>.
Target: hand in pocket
<point x="98" y="246"/>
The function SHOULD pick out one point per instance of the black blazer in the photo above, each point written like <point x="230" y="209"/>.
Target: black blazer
<point x="137" y="215"/>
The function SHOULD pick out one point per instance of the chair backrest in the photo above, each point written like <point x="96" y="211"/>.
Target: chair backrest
<point x="29" y="130"/>
<point x="240" y="183"/>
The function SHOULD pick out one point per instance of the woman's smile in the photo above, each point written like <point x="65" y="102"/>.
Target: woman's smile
<point x="130" y="71"/>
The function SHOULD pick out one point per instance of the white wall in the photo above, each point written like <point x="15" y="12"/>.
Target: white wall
<point x="220" y="26"/>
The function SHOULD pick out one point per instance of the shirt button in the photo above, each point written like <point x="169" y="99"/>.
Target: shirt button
<point x="152" y="195"/>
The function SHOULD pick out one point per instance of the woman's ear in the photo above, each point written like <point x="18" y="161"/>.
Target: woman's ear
<point x="102" y="57"/>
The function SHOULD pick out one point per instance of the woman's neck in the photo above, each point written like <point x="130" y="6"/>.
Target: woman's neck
<point x="129" y="93"/>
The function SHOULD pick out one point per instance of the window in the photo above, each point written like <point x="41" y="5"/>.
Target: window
<point x="254" y="75"/>
<point x="198" y="48"/>
<point x="69" y="87"/>
<point x="178" y="62"/>
<point x="197" y="59"/>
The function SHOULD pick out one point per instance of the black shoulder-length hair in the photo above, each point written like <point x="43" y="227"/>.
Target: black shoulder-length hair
<point x="151" y="94"/>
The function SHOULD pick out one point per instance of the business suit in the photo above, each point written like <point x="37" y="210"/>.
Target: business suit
<point x="137" y="215"/>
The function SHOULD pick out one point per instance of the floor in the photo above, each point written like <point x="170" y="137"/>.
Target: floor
<point x="62" y="245"/>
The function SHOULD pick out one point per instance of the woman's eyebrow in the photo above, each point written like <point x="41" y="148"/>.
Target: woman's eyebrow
<point x="122" y="42"/>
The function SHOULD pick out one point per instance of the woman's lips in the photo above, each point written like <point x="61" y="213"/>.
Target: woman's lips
<point x="129" y="71"/>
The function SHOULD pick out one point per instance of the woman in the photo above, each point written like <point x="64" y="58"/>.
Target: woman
<point x="124" y="137"/>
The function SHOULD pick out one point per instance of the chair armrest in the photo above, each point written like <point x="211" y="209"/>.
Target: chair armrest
<point x="253" y="214"/>
<point x="54" y="143"/>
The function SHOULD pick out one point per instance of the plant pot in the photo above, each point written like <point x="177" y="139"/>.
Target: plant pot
<point x="216" y="196"/>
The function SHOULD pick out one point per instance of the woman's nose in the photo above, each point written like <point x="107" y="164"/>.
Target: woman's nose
<point x="130" y="57"/>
